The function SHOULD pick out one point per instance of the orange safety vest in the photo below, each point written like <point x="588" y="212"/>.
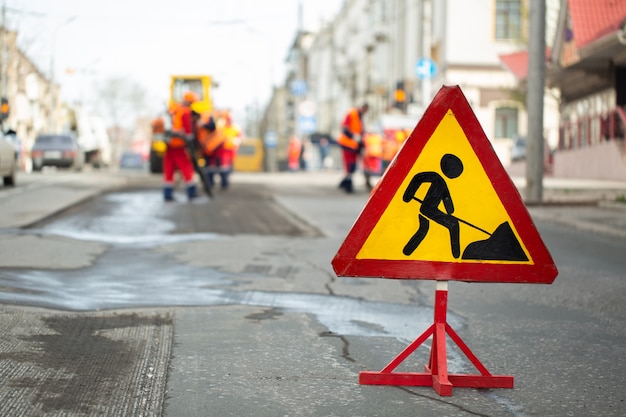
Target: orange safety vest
<point x="355" y="126"/>
<point x="390" y="148"/>
<point x="178" y="125"/>
<point x="392" y="145"/>
<point x="294" y="148"/>
<point x="211" y="141"/>
<point x="373" y="145"/>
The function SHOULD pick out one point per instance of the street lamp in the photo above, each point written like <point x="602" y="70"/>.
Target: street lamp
<point x="53" y="102"/>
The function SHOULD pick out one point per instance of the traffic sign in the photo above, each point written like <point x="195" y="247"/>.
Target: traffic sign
<point x="307" y="124"/>
<point x="425" y="68"/>
<point x="307" y="108"/>
<point x="298" y="88"/>
<point x="446" y="210"/>
<point x="271" y="139"/>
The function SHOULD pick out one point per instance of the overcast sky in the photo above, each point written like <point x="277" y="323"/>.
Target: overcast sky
<point x="242" y="43"/>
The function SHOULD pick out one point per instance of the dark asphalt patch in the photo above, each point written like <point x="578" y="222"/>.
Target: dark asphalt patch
<point x="243" y="209"/>
<point x="83" y="364"/>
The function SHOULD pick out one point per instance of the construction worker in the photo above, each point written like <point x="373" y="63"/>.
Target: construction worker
<point x="158" y="125"/>
<point x="212" y="140"/>
<point x="392" y="144"/>
<point x="372" y="157"/>
<point x="176" y="156"/>
<point x="351" y="142"/>
<point x="234" y="137"/>
<point x="294" y="150"/>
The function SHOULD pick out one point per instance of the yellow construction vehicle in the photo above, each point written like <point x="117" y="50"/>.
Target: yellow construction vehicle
<point x="179" y="84"/>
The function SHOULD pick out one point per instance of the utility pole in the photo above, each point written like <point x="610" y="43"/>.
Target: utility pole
<point x="534" y="101"/>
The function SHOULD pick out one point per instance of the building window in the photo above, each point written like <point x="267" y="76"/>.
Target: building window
<point x="508" y="20"/>
<point x="506" y="122"/>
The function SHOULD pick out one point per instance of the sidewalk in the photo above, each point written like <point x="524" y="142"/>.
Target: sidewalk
<point x="38" y="196"/>
<point x="596" y="206"/>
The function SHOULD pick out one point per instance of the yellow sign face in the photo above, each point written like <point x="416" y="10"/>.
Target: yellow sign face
<point x="446" y="209"/>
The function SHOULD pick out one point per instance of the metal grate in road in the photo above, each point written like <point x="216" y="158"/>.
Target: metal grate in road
<point x="78" y="364"/>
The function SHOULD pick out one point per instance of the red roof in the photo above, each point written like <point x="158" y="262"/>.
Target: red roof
<point x="517" y="62"/>
<point x="592" y="19"/>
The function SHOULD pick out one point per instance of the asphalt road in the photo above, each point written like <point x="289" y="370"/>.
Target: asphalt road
<point x="125" y="305"/>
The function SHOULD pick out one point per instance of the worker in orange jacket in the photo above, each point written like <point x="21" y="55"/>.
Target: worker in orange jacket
<point x="176" y="156"/>
<point x="212" y="141"/>
<point x="351" y="142"/>
<point x="228" y="153"/>
<point x="392" y="144"/>
<point x="294" y="151"/>
<point x="372" y="157"/>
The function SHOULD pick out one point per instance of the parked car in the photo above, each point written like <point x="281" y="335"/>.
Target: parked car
<point x="132" y="160"/>
<point x="13" y="139"/>
<point x="8" y="161"/>
<point x="518" y="150"/>
<point x="61" y="151"/>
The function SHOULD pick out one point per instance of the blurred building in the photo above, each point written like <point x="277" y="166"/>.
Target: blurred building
<point x="275" y="131"/>
<point x="396" y="54"/>
<point x="588" y="67"/>
<point x="586" y="71"/>
<point x="28" y="90"/>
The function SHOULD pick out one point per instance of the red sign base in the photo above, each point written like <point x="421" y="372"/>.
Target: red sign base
<point x="436" y="372"/>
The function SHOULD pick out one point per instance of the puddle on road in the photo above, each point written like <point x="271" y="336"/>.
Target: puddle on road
<point x="122" y="218"/>
<point x="152" y="280"/>
<point x="130" y="275"/>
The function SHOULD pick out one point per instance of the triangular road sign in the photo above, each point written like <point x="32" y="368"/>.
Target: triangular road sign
<point x="446" y="210"/>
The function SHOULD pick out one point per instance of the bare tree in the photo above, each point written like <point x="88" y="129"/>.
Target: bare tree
<point x="123" y="101"/>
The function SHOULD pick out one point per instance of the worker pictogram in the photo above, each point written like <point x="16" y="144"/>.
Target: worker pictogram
<point x="446" y="209"/>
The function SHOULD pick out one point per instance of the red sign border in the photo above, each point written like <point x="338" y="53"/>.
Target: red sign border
<point x="542" y="271"/>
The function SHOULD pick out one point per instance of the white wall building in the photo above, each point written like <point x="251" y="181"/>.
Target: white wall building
<point x="373" y="47"/>
<point x="32" y="98"/>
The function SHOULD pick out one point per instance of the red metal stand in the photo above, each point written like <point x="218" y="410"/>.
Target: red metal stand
<point x="436" y="372"/>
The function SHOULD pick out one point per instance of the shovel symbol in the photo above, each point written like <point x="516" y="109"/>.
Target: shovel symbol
<point x="501" y="245"/>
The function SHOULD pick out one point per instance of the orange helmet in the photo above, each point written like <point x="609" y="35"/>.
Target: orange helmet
<point x="190" y="97"/>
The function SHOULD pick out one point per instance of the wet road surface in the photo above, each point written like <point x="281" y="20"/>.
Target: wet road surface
<point x="266" y="328"/>
<point x="135" y="271"/>
<point x="131" y="254"/>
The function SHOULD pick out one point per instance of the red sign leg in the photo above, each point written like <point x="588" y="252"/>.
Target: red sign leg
<point x="436" y="372"/>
